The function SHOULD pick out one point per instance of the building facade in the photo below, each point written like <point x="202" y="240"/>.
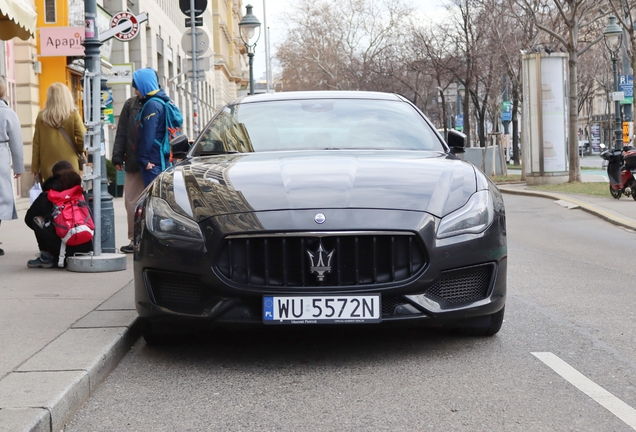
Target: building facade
<point x="56" y="55"/>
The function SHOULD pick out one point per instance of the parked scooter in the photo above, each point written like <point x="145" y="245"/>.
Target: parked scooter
<point x="621" y="170"/>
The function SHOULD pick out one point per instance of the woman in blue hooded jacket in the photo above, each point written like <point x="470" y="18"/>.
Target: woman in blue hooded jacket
<point x="152" y="124"/>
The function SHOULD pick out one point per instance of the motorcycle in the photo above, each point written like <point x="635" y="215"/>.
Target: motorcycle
<point x="621" y="169"/>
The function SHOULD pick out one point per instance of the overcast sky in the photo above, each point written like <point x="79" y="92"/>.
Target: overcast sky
<point x="274" y="10"/>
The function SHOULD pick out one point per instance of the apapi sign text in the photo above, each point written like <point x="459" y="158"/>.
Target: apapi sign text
<point x="62" y="41"/>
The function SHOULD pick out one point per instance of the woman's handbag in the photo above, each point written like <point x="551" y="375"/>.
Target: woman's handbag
<point x="81" y="159"/>
<point x="35" y="192"/>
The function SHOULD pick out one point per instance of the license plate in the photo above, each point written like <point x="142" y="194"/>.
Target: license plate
<point x="337" y="309"/>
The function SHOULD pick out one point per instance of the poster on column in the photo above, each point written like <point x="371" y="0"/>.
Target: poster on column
<point x="554" y="113"/>
<point x="595" y="137"/>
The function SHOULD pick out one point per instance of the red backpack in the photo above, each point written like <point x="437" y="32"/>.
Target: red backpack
<point x="71" y="216"/>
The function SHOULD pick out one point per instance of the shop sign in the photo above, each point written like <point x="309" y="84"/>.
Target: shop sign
<point x="119" y="74"/>
<point x="62" y="41"/>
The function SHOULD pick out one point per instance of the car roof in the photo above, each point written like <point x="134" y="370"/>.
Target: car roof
<point x="327" y="94"/>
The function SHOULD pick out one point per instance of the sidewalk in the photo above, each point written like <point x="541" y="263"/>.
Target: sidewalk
<point x="61" y="332"/>
<point x="620" y="212"/>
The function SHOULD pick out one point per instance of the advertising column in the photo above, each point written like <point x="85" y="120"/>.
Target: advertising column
<point x="545" y="117"/>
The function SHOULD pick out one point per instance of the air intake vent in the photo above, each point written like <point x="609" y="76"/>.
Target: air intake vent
<point x="347" y="260"/>
<point x="176" y="291"/>
<point x="463" y="285"/>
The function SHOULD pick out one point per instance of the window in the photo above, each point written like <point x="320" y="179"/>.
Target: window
<point x="49" y="11"/>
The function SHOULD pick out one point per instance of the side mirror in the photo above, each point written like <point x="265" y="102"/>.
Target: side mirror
<point x="180" y="147"/>
<point x="456" y="141"/>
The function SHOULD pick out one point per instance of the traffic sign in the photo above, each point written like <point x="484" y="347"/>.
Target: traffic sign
<point x="626" y="84"/>
<point x="202" y="41"/>
<point x="199" y="6"/>
<point x="203" y="64"/>
<point x="198" y="22"/>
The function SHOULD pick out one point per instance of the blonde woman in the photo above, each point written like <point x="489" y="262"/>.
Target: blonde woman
<point x="50" y="145"/>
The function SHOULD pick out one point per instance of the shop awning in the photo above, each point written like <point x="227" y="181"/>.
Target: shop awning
<point x="17" y="19"/>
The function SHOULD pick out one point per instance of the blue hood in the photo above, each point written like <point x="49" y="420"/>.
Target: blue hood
<point x="145" y="80"/>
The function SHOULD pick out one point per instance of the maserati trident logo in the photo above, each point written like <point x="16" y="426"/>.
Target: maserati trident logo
<point x="318" y="259"/>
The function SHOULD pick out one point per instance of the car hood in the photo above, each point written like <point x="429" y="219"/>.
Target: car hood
<point x="430" y="182"/>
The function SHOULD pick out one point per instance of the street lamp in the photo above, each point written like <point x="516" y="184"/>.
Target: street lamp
<point x="613" y="35"/>
<point x="248" y="25"/>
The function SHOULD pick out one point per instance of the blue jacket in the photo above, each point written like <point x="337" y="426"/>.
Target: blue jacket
<point x="152" y="120"/>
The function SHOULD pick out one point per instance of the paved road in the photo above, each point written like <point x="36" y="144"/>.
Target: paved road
<point x="570" y="308"/>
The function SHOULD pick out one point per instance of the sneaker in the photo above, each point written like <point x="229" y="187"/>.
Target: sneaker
<point x="44" y="260"/>
<point x="127" y="249"/>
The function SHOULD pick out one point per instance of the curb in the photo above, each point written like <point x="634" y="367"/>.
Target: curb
<point x="605" y="214"/>
<point x="45" y="392"/>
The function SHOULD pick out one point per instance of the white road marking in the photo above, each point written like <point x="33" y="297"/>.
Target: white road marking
<point x="607" y="400"/>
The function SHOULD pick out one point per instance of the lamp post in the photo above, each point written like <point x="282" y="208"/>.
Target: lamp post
<point x="613" y="36"/>
<point x="248" y="25"/>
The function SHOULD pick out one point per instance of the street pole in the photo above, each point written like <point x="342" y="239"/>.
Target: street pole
<point x="105" y="198"/>
<point x="93" y="142"/>
<point x="249" y="23"/>
<point x="626" y="66"/>
<point x="618" y="129"/>
<point x="195" y="78"/>
<point x="93" y="73"/>
<point x="268" y="76"/>
<point x="250" y="55"/>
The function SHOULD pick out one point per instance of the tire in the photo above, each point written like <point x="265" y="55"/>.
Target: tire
<point x="484" y="326"/>
<point x="615" y="193"/>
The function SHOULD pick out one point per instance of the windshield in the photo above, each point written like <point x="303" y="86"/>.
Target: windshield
<point x="316" y="125"/>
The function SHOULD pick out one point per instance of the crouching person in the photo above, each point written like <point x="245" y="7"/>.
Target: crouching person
<point x="60" y="218"/>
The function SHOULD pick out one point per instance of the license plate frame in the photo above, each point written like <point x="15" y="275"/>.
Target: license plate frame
<point x="315" y="309"/>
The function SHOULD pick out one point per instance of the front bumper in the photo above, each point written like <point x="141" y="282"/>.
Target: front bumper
<point x="460" y="279"/>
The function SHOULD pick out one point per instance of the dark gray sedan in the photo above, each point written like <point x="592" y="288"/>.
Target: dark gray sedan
<point x="312" y="208"/>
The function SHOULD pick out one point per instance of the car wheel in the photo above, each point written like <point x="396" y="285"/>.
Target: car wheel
<point x="615" y="193"/>
<point x="483" y="326"/>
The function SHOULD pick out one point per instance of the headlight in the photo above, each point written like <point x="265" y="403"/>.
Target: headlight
<point x="169" y="226"/>
<point x="473" y="218"/>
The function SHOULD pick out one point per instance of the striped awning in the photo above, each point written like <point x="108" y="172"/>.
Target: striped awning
<point x="17" y="19"/>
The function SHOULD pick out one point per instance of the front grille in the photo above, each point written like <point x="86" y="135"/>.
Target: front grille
<point x="176" y="291"/>
<point x="463" y="285"/>
<point x="356" y="260"/>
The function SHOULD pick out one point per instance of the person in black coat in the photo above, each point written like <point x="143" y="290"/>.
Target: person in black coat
<point x="124" y="158"/>
<point x="39" y="218"/>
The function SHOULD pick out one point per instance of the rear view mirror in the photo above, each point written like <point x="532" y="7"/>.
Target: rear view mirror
<point x="456" y="141"/>
<point x="180" y="146"/>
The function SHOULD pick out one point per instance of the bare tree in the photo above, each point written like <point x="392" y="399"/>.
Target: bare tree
<point x="513" y="31"/>
<point x="463" y="18"/>
<point x="574" y="25"/>
<point x="337" y="45"/>
<point x="431" y="47"/>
